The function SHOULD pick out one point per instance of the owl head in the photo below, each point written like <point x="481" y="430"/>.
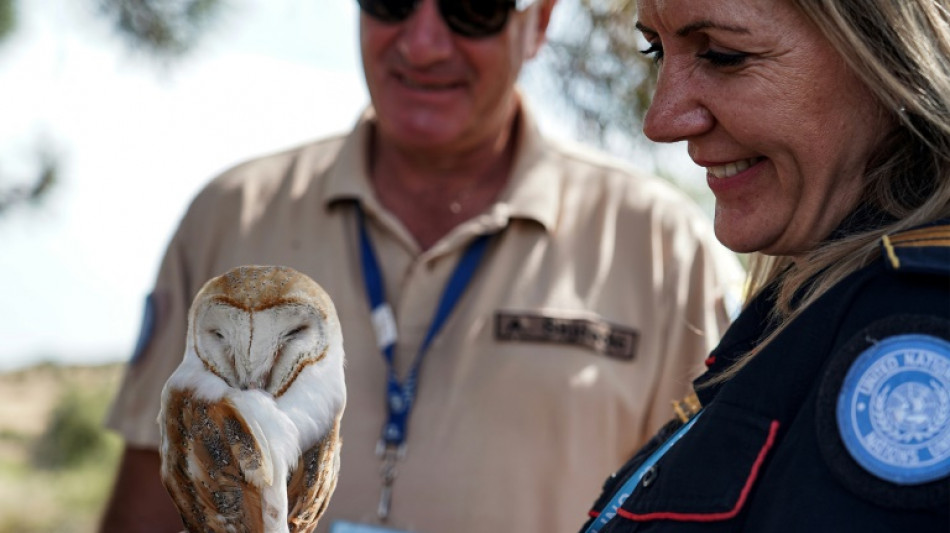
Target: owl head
<point x="259" y="327"/>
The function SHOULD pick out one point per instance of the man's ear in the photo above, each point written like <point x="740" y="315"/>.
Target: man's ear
<point x="545" y="9"/>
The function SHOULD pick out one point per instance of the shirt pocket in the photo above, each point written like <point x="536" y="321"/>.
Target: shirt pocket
<point x="709" y="474"/>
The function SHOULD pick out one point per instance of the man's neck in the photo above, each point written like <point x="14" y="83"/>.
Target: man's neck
<point x="432" y="193"/>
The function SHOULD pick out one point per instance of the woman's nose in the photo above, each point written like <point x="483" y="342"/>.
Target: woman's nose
<point x="677" y="111"/>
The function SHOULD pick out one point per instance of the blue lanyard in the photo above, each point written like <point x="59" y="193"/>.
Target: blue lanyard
<point x="400" y="395"/>
<point x="620" y="496"/>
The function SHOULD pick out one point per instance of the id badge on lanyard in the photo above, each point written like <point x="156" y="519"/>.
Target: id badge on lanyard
<point x="341" y="526"/>
<point x="400" y="395"/>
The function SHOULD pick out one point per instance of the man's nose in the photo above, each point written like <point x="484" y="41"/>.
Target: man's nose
<point x="425" y="37"/>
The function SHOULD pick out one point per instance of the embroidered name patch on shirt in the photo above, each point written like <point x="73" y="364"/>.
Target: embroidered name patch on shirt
<point x="894" y="409"/>
<point x="600" y="336"/>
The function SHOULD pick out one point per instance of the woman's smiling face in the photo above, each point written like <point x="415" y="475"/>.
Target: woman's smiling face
<point x="784" y="128"/>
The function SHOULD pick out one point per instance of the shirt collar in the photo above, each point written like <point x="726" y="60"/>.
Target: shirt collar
<point x="532" y="193"/>
<point x="348" y="177"/>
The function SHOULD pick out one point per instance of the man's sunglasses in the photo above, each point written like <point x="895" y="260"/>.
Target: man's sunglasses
<point x="470" y="18"/>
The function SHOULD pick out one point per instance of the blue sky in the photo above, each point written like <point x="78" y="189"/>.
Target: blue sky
<point x="137" y="140"/>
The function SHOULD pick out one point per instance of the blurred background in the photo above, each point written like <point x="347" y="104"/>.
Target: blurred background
<point x="113" y="113"/>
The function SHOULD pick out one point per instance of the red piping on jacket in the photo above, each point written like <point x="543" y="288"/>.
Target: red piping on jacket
<point x="712" y="517"/>
<point x="709" y="517"/>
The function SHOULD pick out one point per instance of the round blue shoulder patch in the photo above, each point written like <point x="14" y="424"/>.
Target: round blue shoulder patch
<point x="894" y="409"/>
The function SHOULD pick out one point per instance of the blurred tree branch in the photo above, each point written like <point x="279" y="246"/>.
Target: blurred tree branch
<point x="7" y="18"/>
<point x="602" y="74"/>
<point x="162" y="27"/>
<point x="13" y="195"/>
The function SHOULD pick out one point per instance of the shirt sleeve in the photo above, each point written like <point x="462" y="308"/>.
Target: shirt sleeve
<point x="159" y="350"/>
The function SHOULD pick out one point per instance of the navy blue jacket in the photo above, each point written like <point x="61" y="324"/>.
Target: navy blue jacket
<point x="768" y="454"/>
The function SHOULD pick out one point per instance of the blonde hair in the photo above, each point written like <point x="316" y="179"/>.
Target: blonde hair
<point x="901" y="51"/>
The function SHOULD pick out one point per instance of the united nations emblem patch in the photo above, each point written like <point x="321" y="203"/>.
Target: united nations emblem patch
<point x="893" y="409"/>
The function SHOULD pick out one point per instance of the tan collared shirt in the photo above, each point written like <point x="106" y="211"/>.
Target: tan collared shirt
<point x="595" y="305"/>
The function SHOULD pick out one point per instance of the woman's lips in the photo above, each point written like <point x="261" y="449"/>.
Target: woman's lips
<point x="729" y="170"/>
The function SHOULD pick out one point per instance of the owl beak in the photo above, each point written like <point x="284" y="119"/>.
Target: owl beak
<point x="262" y="382"/>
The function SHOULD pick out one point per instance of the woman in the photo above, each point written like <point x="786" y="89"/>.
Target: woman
<point x="824" y="126"/>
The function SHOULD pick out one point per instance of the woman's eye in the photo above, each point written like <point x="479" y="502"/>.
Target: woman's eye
<point x="723" y="59"/>
<point x="655" y="51"/>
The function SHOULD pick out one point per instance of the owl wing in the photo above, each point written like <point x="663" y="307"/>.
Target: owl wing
<point x="208" y="454"/>
<point x="313" y="481"/>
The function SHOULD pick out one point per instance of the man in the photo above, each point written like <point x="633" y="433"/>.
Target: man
<point x="590" y="296"/>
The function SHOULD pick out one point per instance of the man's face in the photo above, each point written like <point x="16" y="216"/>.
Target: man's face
<point x="437" y="90"/>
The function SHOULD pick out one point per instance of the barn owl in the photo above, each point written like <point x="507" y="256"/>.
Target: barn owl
<point x="250" y="419"/>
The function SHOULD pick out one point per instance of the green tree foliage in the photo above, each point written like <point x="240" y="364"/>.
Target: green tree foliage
<point x="57" y="480"/>
<point x="603" y="76"/>
<point x="74" y="433"/>
<point x="162" y="27"/>
<point x="7" y="18"/>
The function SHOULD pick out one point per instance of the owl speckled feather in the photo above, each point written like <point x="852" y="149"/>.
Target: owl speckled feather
<point x="250" y="420"/>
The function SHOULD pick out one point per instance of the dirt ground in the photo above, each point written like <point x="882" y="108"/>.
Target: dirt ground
<point x="28" y="396"/>
<point x="63" y="499"/>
